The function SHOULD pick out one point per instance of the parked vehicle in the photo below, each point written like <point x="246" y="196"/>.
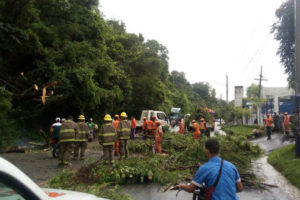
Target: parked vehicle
<point x="160" y="116"/>
<point x="175" y="116"/>
<point x="14" y="184"/>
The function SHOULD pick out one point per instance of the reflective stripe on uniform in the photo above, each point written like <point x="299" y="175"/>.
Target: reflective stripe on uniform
<point x="70" y="130"/>
<point x="125" y="129"/>
<point x="67" y="140"/>
<point x="124" y="137"/>
<point x="107" y="134"/>
<point x="80" y="140"/>
<point x="83" y="132"/>
<point x="108" y="143"/>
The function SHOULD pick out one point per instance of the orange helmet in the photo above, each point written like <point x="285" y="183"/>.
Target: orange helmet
<point x="193" y="121"/>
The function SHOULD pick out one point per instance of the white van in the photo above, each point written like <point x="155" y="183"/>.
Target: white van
<point x="160" y="116"/>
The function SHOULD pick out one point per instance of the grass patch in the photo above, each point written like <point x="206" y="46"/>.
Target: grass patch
<point x="284" y="161"/>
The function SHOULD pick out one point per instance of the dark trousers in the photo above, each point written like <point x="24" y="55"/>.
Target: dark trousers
<point x="108" y="153"/>
<point x="132" y="133"/>
<point x="269" y="132"/>
<point x="80" y="146"/>
<point x="123" y="149"/>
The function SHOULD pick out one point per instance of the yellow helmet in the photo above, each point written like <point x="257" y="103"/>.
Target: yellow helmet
<point x="107" y="117"/>
<point x="123" y="114"/>
<point x="81" y="117"/>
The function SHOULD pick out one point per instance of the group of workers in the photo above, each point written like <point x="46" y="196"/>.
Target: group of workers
<point x="153" y="128"/>
<point x="269" y="121"/>
<point x="113" y="135"/>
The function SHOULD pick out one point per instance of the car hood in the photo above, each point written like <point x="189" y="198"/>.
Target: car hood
<point x="69" y="195"/>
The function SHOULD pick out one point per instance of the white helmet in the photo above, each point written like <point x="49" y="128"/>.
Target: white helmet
<point x="57" y="119"/>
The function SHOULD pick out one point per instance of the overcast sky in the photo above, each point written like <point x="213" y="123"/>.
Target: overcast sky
<point x="208" y="39"/>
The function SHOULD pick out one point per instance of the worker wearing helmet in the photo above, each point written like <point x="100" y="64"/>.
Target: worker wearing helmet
<point x="269" y="122"/>
<point x="123" y="135"/>
<point x="153" y="119"/>
<point x="116" y="124"/>
<point x="149" y="126"/>
<point x="196" y="133"/>
<point x="107" y="137"/>
<point x="133" y="127"/>
<point x="81" y="138"/>
<point x="68" y="131"/>
<point x="158" y="136"/>
<point x="202" y="126"/>
<point x="286" y="123"/>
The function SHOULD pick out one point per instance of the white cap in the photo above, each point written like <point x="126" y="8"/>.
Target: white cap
<point x="57" y="119"/>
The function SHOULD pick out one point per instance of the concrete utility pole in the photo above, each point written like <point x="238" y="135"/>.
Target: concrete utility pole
<point x="260" y="79"/>
<point x="297" y="72"/>
<point x="227" y="89"/>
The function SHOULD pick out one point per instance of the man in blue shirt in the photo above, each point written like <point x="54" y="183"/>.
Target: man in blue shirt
<point x="229" y="183"/>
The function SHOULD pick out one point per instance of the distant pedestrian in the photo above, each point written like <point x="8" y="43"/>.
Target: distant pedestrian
<point x="158" y="137"/>
<point x="54" y="131"/>
<point x="202" y="126"/>
<point x="196" y="131"/>
<point x="276" y="122"/>
<point x="116" y="125"/>
<point x="181" y="126"/>
<point x="281" y="120"/>
<point x="268" y="123"/>
<point x="91" y="126"/>
<point x="133" y="127"/>
<point x="286" y="124"/>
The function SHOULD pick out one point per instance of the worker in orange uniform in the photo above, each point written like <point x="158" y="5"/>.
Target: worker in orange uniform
<point x="116" y="125"/>
<point x="153" y="119"/>
<point x="149" y="127"/>
<point x="181" y="126"/>
<point x="158" y="136"/>
<point x="269" y="122"/>
<point x="202" y="126"/>
<point x="196" y="130"/>
<point x="286" y="124"/>
<point x="133" y="127"/>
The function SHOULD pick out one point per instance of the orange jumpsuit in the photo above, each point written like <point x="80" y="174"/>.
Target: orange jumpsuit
<point x="149" y="126"/>
<point x="202" y="127"/>
<point x="286" y="123"/>
<point x="116" y="145"/>
<point x="158" y="138"/>
<point x="144" y="126"/>
<point x="181" y="127"/>
<point x="196" y="131"/>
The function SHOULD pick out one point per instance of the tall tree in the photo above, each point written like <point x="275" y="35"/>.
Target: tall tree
<point x="284" y="30"/>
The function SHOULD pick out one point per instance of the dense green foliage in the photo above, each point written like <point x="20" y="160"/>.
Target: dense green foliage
<point x="98" y="66"/>
<point x="284" y="30"/>
<point x="284" y="161"/>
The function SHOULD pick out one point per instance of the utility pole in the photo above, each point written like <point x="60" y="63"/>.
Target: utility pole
<point x="297" y="73"/>
<point x="227" y="89"/>
<point x="260" y="79"/>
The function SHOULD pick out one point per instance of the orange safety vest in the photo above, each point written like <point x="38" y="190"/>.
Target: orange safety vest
<point x="202" y="126"/>
<point x="269" y="122"/>
<point x="133" y="123"/>
<point x="149" y="124"/>
<point x="144" y="124"/>
<point x="116" y="124"/>
<point x="286" y="123"/>
<point x="181" y="127"/>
